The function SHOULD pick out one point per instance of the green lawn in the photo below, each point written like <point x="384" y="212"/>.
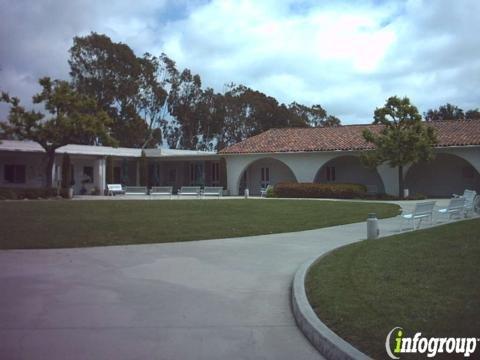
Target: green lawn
<point x="57" y="224"/>
<point x="425" y="281"/>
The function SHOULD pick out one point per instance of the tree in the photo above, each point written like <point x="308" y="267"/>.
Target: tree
<point x="121" y="83"/>
<point x="473" y="114"/>
<point x="445" y="112"/>
<point x="403" y="139"/>
<point x="73" y="118"/>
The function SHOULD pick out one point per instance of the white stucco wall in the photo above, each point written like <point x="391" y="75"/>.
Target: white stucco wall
<point x="306" y="165"/>
<point x="34" y="168"/>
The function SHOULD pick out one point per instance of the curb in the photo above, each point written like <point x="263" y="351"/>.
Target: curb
<point x="322" y="338"/>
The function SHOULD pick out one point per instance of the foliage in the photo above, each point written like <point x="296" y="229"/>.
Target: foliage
<point x="309" y="190"/>
<point x="74" y="118"/>
<point x="404" y="138"/>
<point x="27" y="193"/>
<point x="150" y="100"/>
<point x="270" y="192"/>
<point x="451" y="112"/>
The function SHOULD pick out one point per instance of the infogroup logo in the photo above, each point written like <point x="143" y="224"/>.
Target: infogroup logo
<point x="430" y="346"/>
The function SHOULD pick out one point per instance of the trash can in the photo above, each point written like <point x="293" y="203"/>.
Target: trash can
<point x="372" y="226"/>
<point x="247" y="193"/>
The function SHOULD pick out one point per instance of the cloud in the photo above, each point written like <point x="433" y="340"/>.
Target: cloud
<point x="348" y="56"/>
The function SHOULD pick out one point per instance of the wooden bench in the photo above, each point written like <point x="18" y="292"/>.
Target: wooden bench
<point x="114" y="189"/>
<point x="456" y="206"/>
<point x="213" y="191"/>
<point x="189" y="191"/>
<point x="422" y="211"/>
<point x="136" y="190"/>
<point x="161" y="191"/>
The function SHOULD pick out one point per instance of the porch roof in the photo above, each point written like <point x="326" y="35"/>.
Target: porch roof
<point x="346" y="138"/>
<point x="33" y="147"/>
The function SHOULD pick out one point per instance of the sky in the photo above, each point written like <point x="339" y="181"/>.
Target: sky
<point x="347" y="56"/>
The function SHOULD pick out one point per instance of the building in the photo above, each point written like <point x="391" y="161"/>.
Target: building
<point x="23" y="163"/>
<point x="277" y="155"/>
<point x="333" y="155"/>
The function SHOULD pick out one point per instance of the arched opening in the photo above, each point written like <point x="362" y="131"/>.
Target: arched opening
<point x="263" y="172"/>
<point x="445" y="175"/>
<point x="349" y="169"/>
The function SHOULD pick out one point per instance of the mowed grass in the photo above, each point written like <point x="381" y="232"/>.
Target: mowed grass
<point x="425" y="281"/>
<point x="60" y="224"/>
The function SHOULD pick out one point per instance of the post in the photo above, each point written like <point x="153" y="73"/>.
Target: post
<point x="372" y="226"/>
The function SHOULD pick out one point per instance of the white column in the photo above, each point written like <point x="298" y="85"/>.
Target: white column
<point x="99" y="174"/>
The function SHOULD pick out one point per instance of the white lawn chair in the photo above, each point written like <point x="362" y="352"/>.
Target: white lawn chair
<point x="469" y="196"/>
<point x="456" y="207"/>
<point x="161" y="191"/>
<point x="422" y="211"/>
<point x="264" y="191"/>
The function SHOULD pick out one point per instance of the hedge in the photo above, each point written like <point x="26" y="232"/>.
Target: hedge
<point x="308" y="190"/>
<point x="27" y="193"/>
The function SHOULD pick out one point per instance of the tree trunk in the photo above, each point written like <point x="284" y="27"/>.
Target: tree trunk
<point x="49" y="168"/>
<point x="400" y="182"/>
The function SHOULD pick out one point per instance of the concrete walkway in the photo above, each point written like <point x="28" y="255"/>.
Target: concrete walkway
<point x="214" y="299"/>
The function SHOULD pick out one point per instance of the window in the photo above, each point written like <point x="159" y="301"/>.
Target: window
<point x="117" y="175"/>
<point x="14" y="174"/>
<point x="88" y="174"/>
<point x="215" y="173"/>
<point x="265" y="175"/>
<point x="330" y="173"/>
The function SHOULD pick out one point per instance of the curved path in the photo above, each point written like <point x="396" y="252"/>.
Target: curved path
<point x="213" y="299"/>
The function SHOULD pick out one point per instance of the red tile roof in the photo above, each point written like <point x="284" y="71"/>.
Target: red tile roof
<point x="346" y="138"/>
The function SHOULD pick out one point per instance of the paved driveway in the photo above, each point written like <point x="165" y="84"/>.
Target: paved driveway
<point x="214" y="299"/>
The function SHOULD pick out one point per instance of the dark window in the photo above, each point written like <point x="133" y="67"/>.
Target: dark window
<point x="330" y="173"/>
<point x="215" y="173"/>
<point x="88" y="172"/>
<point x="265" y="174"/>
<point x="14" y="174"/>
<point x="117" y="175"/>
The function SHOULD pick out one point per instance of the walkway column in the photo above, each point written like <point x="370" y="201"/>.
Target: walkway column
<point x="99" y="174"/>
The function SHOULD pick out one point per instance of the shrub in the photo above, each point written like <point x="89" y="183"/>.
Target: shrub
<point x="308" y="190"/>
<point x="27" y="193"/>
<point x="270" y="192"/>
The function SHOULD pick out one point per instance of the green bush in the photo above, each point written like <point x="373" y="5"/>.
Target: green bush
<point x="27" y="193"/>
<point x="270" y="192"/>
<point x="308" y="190"/>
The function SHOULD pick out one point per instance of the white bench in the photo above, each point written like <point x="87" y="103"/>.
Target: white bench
<point x="189" y="191"/>
<point x="161" y="190"/>
<point x="135" y="190"/>
<point x="213" y="191"/>
<point x="456" y="206"/>
<point x="422" y="211"/>
<point x="114" y="189"/>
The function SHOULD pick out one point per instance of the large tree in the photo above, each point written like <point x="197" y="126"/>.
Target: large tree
<point x="71" y="118"/>
<point x="121" y="83"/>
<point x="403" y="139"/>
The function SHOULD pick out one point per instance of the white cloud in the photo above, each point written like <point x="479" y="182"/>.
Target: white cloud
<point x="347" y="56"/>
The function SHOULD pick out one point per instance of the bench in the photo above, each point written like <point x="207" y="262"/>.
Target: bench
<point x="114" y="189"/>
<point x="189" y="191"/>
<point x="161" y="190"/>
<point x="213" y="191"/>
<point x="456" y="206"/>
<point x="422" y="211"/>
<point x="135" y="190"/>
